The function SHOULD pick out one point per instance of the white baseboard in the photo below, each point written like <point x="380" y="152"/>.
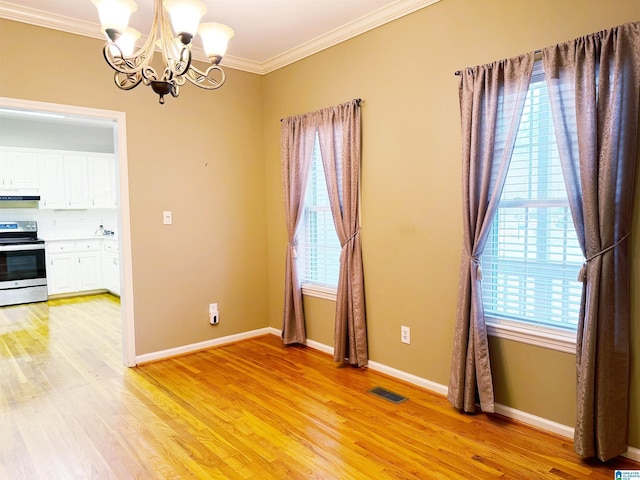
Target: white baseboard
<point x="194" y="347"/>
<point x="542" y="423"/>
<point x="410" y="378"/>
<point x="535" y="421"/>
<point x="632" y="453"/>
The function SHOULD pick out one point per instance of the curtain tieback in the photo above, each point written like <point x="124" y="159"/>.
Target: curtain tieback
<point x="294" y="252"/>
<point x="351" y="237"/>
<point x="476" y="262"/>
<point x="582" y="276"/>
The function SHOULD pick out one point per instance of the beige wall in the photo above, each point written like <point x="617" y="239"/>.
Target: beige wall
<point x="200" y="156"/>
<point x="233" y="245"/>
<point x="411" y="194"/>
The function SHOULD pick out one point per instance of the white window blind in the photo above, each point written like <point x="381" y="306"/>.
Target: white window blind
<point x="318" y="245"/>
<point x="532" y="257"/>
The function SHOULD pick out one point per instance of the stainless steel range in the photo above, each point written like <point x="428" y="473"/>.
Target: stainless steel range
<point x="23" y="277"/>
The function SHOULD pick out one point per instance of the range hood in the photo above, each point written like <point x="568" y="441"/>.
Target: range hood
<point x="17" y="198"/>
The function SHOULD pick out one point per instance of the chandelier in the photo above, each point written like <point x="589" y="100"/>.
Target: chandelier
<point x="134" y="67"/>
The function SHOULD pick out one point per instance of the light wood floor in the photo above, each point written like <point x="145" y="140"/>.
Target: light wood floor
<point x="251" y="410"/>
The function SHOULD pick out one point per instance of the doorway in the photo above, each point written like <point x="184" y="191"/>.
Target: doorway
<point x="118" y="122"/>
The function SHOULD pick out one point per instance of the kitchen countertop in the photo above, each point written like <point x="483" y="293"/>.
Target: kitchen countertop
<point x="71" y="238"/>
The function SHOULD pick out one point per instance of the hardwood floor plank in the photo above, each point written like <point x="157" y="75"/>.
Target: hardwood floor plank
<point x="253" y="410"/>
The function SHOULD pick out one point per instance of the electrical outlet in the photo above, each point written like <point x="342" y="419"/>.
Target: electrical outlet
<point x="214" y="315"/>
<point x="405" y="334"/>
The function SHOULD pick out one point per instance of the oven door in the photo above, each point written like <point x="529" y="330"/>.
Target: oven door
<point x="22" y="265"/>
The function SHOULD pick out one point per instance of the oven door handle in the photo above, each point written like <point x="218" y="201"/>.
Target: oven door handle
<point x="18" y="248"/>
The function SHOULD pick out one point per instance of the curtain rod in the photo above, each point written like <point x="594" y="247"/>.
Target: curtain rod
<point x="535" y="53"/>
<point x="357" y="100"/>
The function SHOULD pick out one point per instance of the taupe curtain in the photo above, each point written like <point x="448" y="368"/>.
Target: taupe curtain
<point x="594" y="88"/>
<point x="338" y="130"/>
<point x="339" y="136"/>
<point x="491" y="97"/>
<point x="297" y="138"/>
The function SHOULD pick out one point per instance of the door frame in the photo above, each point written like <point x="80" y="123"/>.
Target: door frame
<point x="124" y="217"/>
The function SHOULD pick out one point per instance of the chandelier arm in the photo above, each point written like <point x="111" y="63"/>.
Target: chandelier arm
<point x="141" y="58"/>
<point x="126" y="65"/>
<point x="176" y="55"/>
<point x="126" y="81"/>
<point x="203" y="79"/>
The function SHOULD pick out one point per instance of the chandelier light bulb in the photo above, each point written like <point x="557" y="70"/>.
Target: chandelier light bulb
<point x="127" y="41"/>
<point x="215" y="38"/>
<point x="185" y="16"/>
<point x="114" y="15"/>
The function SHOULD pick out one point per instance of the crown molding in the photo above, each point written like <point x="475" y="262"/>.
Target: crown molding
<point x="393" y="11"/>
<point x="379" y="17"/>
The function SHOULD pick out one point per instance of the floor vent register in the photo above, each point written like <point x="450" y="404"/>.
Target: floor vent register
<point x="387" y="395"/>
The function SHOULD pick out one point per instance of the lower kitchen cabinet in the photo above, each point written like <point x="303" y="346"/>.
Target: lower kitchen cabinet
<point x="110" y="266"/>
<point x="61" y="268"/>
<point x="89" y="265"/>
<point x="79" y="266"/>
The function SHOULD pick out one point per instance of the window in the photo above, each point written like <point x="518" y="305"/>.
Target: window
<point x="532" y="257"/>
<point x="318" y="244"/>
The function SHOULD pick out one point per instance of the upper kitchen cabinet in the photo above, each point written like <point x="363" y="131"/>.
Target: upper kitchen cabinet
<point x="18" y="172"/>
<point x="77" y="180"/>
<point x="52" y="189"/>
<point x="101" y="170"/>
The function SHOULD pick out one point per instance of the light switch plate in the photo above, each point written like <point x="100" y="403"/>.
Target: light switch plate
<point x="166" y="217"/>
<point x="405" y="334"/>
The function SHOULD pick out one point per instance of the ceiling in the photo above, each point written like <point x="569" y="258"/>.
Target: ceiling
<point x="269" y="34"/>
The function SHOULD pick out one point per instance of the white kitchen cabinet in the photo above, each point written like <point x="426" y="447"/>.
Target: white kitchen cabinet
<point x="52" y="189"/>
<point x="76" y="181"/>
<point x="102" y="181"/>
<point x="74" y="266"/>
<point x="61" y="267"/>
<point x="18" y="172"/>
<point x="110" y="266"/>
<point x="88" y="265"/>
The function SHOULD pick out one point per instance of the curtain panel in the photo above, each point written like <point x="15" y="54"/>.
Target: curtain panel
<point x="338" y="130"/>
<point x="297" y="138"/>
<point x="491" y="103"/>
<point x="339" y="136"/>
<point x="594" y="89"/>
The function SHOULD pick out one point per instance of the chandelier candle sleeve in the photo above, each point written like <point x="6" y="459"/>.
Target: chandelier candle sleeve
<point x="185" y="17"/>
<point x="174" y="39"/>
<point x="114" y="15"/>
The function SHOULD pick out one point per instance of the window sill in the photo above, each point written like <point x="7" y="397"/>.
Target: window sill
<point x="310" y="290"/>
<point x="550" y="338"/>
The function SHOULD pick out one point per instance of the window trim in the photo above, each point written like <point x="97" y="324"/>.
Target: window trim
<point x="541" y="336"/>
<point x="319" y="291"/>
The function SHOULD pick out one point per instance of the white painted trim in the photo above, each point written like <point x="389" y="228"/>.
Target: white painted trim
<point x="320" y="346"/>
<point x="124" y="247"/>
<point x="124" y="234"/>
<point x="195" y="347"/>
<point x="546" y="338"/>
<point x="632" y="453"/>
<point x="361" y="25"/>
<point x="357" y="27"/>
<point x="311" y="290"/>
<point x="410" y="378"/>
<point x="535" y="421"/>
